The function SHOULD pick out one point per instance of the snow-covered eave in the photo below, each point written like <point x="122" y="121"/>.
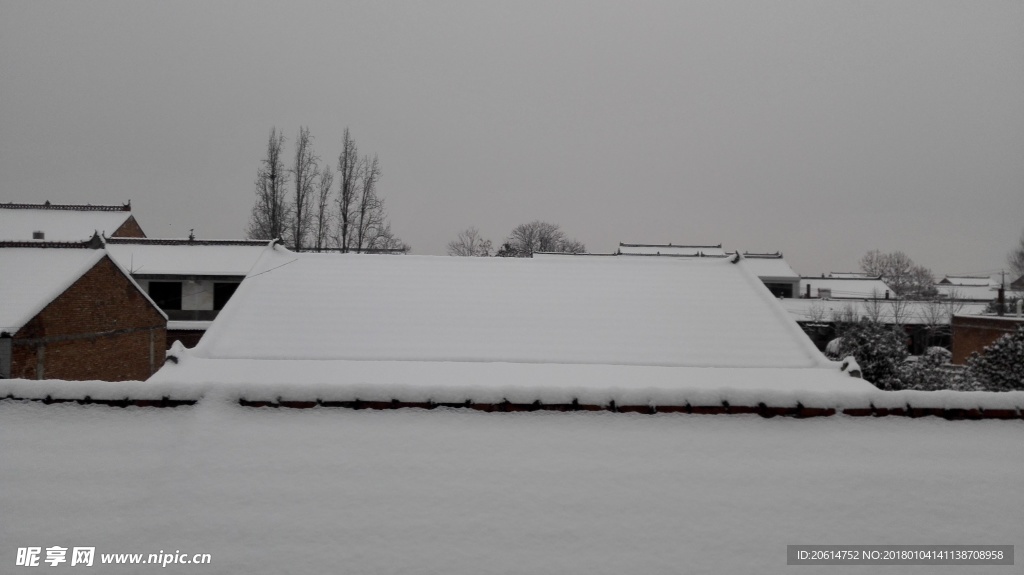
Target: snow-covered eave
<point x="945" y="404"/>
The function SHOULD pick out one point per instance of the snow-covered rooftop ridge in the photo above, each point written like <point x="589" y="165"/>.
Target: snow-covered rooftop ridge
<point x="186" y="258"/>
<point x="969" y="281"/>
<point x="32" y="277"/>
<point x="67" y="207"/>
<point x="185" y="242"/>
<point x="60" y="223"/>
<point x="769" y="266"/>
<point x="671" y="249"/>
<point x="563" y="310"/>
<point x="852" y="275"/>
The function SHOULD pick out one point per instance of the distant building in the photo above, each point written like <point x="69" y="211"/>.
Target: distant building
<point x="975" y="289"/>
<point x="191" y="280"/>
<point x="845" y="287"/>
<point x="973" y="333"/>
<point x="70" y="312"/>
<point x="774" y="272"/>
<point x="771" y="268"/>
<point x="66" y="222"/>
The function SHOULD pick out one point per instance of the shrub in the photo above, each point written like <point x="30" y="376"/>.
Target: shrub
<point x="879" y="350"/>
<point x="929" y="372"/>
<point x="1000" y="366"/>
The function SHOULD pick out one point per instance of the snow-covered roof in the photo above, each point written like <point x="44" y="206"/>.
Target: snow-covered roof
<point x="31" y="278"/>
<point x="59" y="223"/>
<point x="846" y="288"/>
<point x="769" y="266"/>
<point x="421" y="320"/>
<point x="671" y="249"/>
<point x="968" y="292"/>
<point x="968" y="281"/>
<point x="910" y="312"/>
<point x="184" y="257"/>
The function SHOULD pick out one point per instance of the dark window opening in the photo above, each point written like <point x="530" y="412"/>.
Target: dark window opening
<point x="780" y="290"/>
<point x="222" y="292"/>
<point x="167" y="295"/>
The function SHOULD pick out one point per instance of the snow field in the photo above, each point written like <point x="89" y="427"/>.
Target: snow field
<point x="451" y="491"/>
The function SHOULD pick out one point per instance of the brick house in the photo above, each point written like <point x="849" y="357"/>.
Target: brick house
<point x="66" y="222"/>
<point x="70" y="312"/>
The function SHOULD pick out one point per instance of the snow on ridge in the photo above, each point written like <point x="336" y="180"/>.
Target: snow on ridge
<point x="702" y="312"/>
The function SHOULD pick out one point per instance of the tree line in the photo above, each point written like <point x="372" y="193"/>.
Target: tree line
<point x="299" y="203"/>
<point x="522" y="242"/>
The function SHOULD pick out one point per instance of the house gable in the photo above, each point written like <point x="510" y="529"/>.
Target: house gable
<point x="101" y="327"/>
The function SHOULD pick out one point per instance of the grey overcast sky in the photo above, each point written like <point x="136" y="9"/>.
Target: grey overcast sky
<point x="823" y="129"/>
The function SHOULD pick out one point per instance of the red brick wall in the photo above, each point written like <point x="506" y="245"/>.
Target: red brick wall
<point x="188" y="337"/>
<point x="99" y="328"/>
<point x="129" y="229"/>
<point x="974" y="333"/>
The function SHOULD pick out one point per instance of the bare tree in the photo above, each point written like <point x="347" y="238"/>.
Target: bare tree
<point x="349" y="170"/>
<point x="369" y="208"/>
<point x="1016" y="258"/>
<point x="385" y="240"/>
<point x="900" y="309"/>
<point x="900" y="273"/>
<point x="873" y="309"/>
<point x="937" y="314"/>
<point x="271" y="212"/>
<point x="469" y="243"/>
<point x="323" y="217"/>
<point x="304" y="171"/>
<point x="538" y="236"/>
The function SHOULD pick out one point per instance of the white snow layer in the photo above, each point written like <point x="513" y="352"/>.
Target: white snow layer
<point x="266" y="491"/>
<point x="627" y="311"/>
<point x="184" y="259"/>
<point x="31" y="278"/>
<point x="59" y="225"/>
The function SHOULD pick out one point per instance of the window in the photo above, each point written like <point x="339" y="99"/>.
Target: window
<point x="780" y="289"/>
<point x="222" y="292"/>
<point x="5" y="356"/>
<point x="167" y="295"/>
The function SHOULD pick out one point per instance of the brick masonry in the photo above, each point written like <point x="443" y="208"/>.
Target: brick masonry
<point x="100" y="328"/>
<point x="129" y="229"/>
<point x="974" y="333"/>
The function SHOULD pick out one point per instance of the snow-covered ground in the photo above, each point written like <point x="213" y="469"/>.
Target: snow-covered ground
<point x="451" y="491"/>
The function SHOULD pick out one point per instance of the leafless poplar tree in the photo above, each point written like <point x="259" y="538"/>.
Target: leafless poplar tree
<point x="305" y="172"/>
<point x="369" y="208"/>
<point x="323" y="219"/>
<point x="271" y="212"/>
<point x="469" y="243"/>
<point x="349" y="171"/>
